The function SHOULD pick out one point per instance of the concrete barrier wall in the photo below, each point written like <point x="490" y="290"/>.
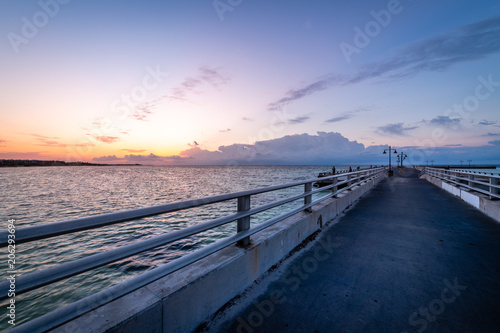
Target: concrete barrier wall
<point x="478" y="200"/>
<point x="183" y="300"/>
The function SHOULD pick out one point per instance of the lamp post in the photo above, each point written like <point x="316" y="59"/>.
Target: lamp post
<point x="469" y="161"/>
<point x="401" y="157"/>
<point x="390" y="151"/>
<point x="461" y="162"/>
<point x="432" y="162"/>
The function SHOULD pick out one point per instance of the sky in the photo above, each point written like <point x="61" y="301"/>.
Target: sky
<point x="233" y="82"/>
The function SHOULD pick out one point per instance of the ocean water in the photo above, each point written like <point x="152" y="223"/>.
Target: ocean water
<point x="40" y="195"/>
<point x="491" y="171"/>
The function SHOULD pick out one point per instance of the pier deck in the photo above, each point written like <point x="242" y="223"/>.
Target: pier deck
<point x="408" y="257"/>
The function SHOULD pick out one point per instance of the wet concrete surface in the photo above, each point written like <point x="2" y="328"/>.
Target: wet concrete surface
<point x="409" y="257"/>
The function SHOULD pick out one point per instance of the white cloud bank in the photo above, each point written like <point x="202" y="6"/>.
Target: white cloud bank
<point x="324" y="148"/>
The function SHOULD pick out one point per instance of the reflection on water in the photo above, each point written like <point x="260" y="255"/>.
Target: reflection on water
<point x="39" y="195"/>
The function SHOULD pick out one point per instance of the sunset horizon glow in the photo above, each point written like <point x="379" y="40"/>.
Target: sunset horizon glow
<point x="250" y="82"/>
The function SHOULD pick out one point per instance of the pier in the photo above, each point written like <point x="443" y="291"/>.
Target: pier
<point x="408" y="258"/>
<point x="367" y="253"/>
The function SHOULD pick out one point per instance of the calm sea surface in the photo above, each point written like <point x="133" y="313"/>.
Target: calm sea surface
<point x="495" y="171"/>
<point x="40" y="195"/>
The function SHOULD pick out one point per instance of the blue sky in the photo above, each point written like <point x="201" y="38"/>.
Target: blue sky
<point x="250" y="82"/>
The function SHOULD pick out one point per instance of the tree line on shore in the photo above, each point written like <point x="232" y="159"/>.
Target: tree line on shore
<point x="29" y="163"/>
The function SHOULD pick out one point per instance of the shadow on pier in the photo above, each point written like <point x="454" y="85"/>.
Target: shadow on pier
<point x="409" y="257"/>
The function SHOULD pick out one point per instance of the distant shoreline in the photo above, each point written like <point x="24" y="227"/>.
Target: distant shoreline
<point x="42" y="163"/>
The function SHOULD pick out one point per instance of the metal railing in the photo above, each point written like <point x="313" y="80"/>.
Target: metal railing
<point x="38" y="279"/>
<point x="481" y="182"/>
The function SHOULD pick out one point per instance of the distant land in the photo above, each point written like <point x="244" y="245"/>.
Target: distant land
<point x="31" y="163"/>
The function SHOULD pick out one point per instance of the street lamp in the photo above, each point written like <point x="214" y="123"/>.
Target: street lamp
<point x="461" y="162"/>
<point x="432" y="162"/>
<point x="427" y="161"/>
<point x="469" y="161"/>
<point x="403" y="156"/>
<point x="394" y="152"/>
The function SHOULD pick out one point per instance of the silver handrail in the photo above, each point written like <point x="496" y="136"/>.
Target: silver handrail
<point x="51" y="275"/>
<point x="49" y="230"/>
<point x="467" y="179"/>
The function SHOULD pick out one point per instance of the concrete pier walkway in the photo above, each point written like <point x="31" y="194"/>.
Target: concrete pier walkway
<point x="409" y="257"/>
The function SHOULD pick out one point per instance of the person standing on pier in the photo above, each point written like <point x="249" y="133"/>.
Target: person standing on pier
<point x="333" y="170"/>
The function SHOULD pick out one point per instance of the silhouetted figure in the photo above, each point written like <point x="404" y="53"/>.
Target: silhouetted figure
<point x="333" y="170"/>
<point x="350" y="169"/>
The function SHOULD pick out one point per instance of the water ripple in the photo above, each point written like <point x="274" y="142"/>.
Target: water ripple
<point x="36" y="196"/>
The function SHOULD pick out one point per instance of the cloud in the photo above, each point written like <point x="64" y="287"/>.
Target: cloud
<point x="299" y="120"/>
<point x="293" y="121"/>
<point x="150" y="159"/>
<point x="52" y="141"/>
<point x="296" y="94"/>
<point x="347" y="115"/>
<point x="108" y="139"/>
<point x="105" y="124"/>
<point x="98" y="122"/>
<point x="42" y="136"/>
<point x="206" y="77"/>
<point x="47" y="141"/>
<point x="491" y="134"/>
<point x="290" y="149"/>
<point x="246" y="119"/>
<point x="323" y="148"/>
<point x="86" y="144"/>
<point x="395" y="129"/>
<point x="466" y="43"/>
<point x="213" y="76"/>
<point x="143" y="158"/>
<point x="225" y="130"/>
<point x="109" y="158"/>
<point x="193" y="144"/>
<point x="485" y="122"/>
<point x="455" y="145"/>
<point x="445" y="121"/>
<point x="134" y="150"/>
<point x="104" y="130"/>
<point x="143" y="111"/>
<point x="26" y="155"/>
<point x="340" y="118"/>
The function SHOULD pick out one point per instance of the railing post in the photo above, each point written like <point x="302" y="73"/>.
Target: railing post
<point x="244" y="222"/>
<point x="348" y="180"/>
<point x="335" y="188"/>
<point x="493" y="190"/>
<point x="308" y="198"/>
<point x="471" y="177"/>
